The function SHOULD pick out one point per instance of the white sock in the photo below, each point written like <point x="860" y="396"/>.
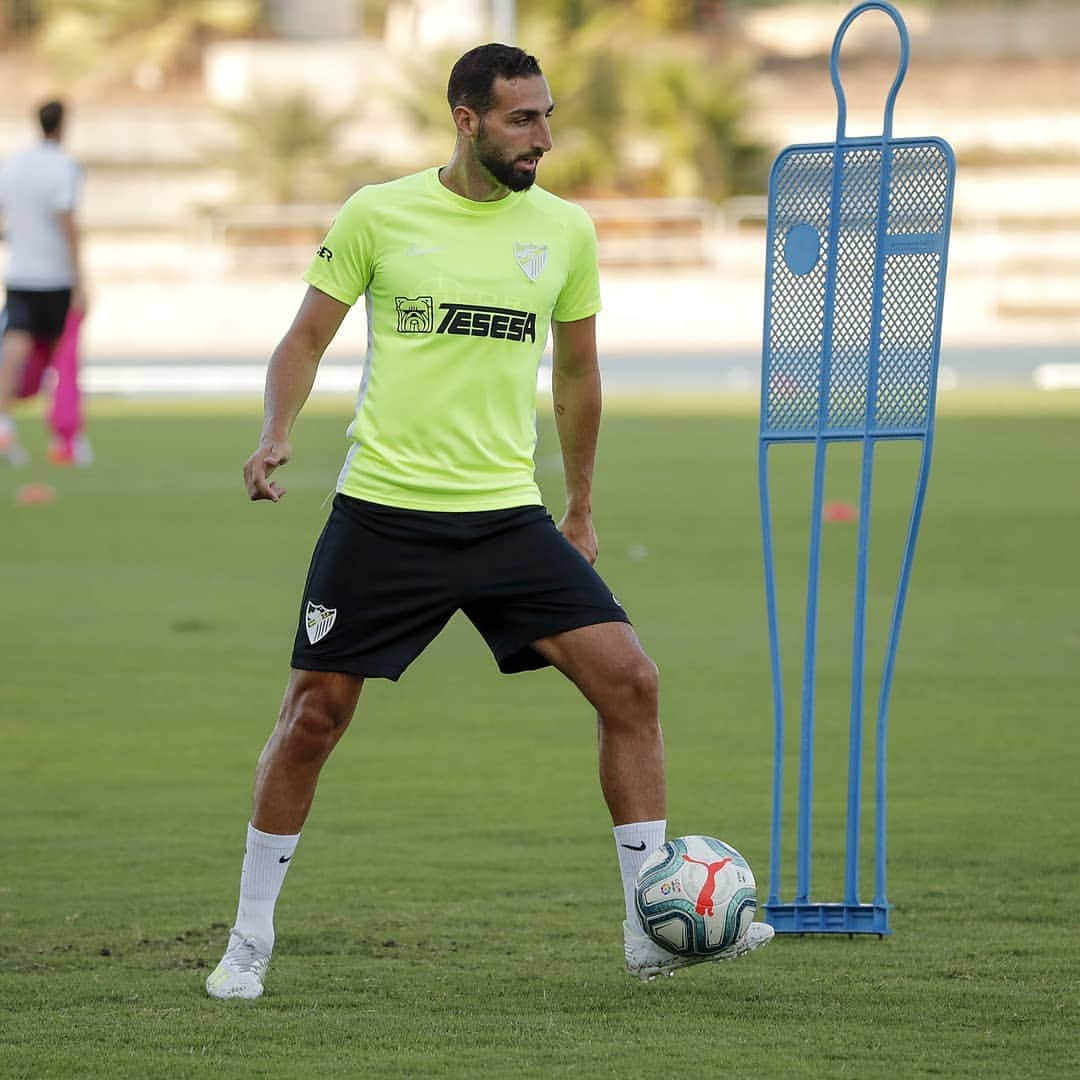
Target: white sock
<point x="267" y="858"/>
<point x="635" y="842"/>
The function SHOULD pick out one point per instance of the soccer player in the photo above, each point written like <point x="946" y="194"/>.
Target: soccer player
<point x="39" y="188"/>
<point x="464" y="269"/>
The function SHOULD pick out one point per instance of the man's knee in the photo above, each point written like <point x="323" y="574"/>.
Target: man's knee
<point x="645" y="679"/>
<point x="637" y="683"/>
<point x="17" y="345"/>
<point x="313" y="716"/>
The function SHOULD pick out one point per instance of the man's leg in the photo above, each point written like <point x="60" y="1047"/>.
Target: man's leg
<point x="13" y="354"/>
<point x="608" y="665"/>
<point x="314" y="715"/>
<point x="317" y="708"/>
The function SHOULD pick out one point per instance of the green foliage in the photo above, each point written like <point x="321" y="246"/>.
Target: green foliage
<point x="946" y="5"/>
<point x="588" y="80"/>
<point x="662" y="120"/>
<point x="283" y="148"/>
<point x="116" y="39"/>
<point x="649" y="16"/>
<point x="667" y="120"/>
<point x="421" y="100"/>
<point x="453" y="908"/>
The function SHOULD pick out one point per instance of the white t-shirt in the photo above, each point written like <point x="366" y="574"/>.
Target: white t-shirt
<point x="35" y="185"/>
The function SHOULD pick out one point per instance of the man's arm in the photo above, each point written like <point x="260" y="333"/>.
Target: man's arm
<point x="71" y="235"/>
<point x="575" y="386"/>
<point x="289" y="379"/>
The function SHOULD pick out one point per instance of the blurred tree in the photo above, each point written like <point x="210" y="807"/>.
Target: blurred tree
<point x="650" y="16"/>
<point x="588" y="80"/>
<point x="18" y="19"/>
<point x="140" y="40"/>
<point x="283" y="149"/>
<point x="644" y="107"/>
<point x="642" y="110"/>
<point x="692" y="113"/>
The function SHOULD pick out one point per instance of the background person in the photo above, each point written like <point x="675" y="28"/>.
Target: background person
<point x="39" y="189"/>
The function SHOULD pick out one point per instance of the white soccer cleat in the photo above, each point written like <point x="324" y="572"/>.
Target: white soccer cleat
<point x="645" y="959"/>
<point x="241" y="971"/>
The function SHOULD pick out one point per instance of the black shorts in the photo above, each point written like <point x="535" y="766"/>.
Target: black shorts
<point x="383" y="582"/>
<point x="40" y="312"/>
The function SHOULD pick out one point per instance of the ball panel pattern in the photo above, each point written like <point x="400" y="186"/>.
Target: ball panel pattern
<point x="696" y="895"/>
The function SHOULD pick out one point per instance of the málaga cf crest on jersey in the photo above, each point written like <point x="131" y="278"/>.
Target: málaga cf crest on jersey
<point x="532" y="258"/>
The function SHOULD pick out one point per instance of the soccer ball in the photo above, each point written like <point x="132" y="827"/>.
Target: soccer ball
<point x="696" y="896"/>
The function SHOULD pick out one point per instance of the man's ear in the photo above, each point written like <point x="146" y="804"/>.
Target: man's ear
<point x="466" y="120"/>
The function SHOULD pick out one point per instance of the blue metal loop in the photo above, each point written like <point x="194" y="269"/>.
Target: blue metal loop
<point x="834" y="65"/>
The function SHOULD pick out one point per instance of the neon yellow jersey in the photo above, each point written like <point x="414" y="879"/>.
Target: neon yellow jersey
<point x="460" y="296"/>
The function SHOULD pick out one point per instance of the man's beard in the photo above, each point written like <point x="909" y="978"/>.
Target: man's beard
<point x="506" y="171"/>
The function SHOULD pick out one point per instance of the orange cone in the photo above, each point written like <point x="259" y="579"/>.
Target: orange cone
<point x="839" y="511"/>
<point x="34" y="494"/>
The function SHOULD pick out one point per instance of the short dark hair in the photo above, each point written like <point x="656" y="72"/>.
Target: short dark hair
<point x="472" y="79"/>
<point x="51" y="116"/>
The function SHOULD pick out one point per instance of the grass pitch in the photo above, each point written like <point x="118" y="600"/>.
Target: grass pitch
<point x="454" y="908"/>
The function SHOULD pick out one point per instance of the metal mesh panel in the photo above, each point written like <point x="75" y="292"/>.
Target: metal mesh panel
<point x="902" y="346"/>
<point x="802" y="190"/>
<point x="918" y="195"/>
<point x="856" y="251"/>
<point x="918" y="188"/>
<point x="908" y="318"/>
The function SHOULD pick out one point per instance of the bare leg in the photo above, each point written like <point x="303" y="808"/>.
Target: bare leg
<point x="608" y="665"/>
<point x="316" y="711"/>
<point x="16" y="348"/>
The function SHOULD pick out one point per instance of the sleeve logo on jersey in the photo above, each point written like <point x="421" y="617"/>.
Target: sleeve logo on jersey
<point x="324" y="253"/>
<point x="415" y="314"/>
<point x="474" y="320"/>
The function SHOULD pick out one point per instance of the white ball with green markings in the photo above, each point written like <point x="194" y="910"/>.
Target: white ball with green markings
<point x="696" y="896"/>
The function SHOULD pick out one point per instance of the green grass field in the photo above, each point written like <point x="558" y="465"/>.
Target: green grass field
<point x="454" y="908"/>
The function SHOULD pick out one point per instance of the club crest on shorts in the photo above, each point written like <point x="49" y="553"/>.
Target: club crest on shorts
<point x="318" y="621"/>
<point x="532" y="258"/>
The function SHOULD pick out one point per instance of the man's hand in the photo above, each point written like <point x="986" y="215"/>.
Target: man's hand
<point x="267" y="457"/>
<point x="577" y="527"/>
<point x="289" y="379"/>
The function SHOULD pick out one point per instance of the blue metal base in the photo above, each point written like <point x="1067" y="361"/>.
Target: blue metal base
<point x="828" y="918"/>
